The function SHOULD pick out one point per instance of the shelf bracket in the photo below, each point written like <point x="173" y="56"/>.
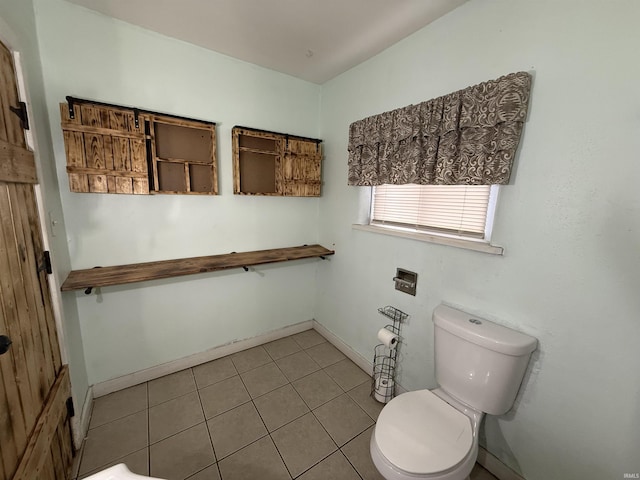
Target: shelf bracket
<point x="88" y="290"/>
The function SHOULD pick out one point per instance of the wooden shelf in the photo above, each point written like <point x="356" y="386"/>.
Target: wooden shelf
<point x="141" y="272"/>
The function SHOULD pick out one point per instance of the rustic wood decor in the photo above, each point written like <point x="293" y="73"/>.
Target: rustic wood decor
<point x="106" y="149"/>
<point x="16" y="163"/>
<point x="183" y="154"/>
<point x="34" y="462"/>
<point x="35" y="436"/>
<point x="116" y="149"/>
<point x="140" y="272"/>
<point x="270" y="163"/>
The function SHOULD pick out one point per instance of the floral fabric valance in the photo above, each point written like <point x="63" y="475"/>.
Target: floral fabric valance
<point x="468" y="137"/>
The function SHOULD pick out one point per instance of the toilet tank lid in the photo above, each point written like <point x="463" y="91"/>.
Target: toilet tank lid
<point x="483" y="332"/>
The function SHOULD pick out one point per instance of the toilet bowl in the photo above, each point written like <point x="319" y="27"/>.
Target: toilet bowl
<point x="118" y="472"/>
<point x="425" y="435"/>
<point x="433" y="434"/>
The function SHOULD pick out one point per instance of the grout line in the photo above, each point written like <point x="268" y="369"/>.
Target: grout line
<point x="323" y="427"/>
<point x="313" y="465"/>
<point x="204" y="415"/>
<point x="116" y="419"/>
<point x="284" y="356"/>
<point x="344" y="392"/>
<point x="261" y="346"/>
<point x="177" y="433"/>
<point x="198" y="387"/>
<point x="83" y="450"/>
<point x="202" y="470"/>
<point x="252" y="400"/>
<point x="271" y="438"/>
<point x="269" y="434"/>
<point x="359" y="407"/>
<point x="348" y="460"/>
<point x="115" y="461"/>
<point x="375" y="420"/>
<point x="327" y="456"/>
<point x="149" y="406"/>
<point x="226" y="411"/>
<point x="261" y="419"/>
<point x="204" y="387"/>
<point x="138" y="412"/>
<point x="303" y="349"/>
<point x="247" y="445"/>
<point x="319" y="461"/>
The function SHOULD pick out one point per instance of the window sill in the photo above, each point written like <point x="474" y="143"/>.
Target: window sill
<point x="477" y="246"/>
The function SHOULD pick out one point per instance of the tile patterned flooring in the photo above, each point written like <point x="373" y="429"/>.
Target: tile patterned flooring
<point x="292" y="408"/>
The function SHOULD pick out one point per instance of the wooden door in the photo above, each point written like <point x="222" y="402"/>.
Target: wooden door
<point x="35" y="438"/>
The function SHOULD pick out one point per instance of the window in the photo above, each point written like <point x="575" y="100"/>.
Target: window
<point x="458" y="211"/>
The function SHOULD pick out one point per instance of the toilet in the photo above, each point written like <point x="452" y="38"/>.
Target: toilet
<point x="118" y="472"/>
<point x="433" y="434"/>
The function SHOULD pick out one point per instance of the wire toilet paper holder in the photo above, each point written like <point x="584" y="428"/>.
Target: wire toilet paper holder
<point x="383" y="384"/>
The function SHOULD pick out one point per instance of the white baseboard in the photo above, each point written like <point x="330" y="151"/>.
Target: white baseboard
<point x="337" y="342"/>
<point x="495" y="466"/>
<point x="80" y="423"/>
<point x="349" y="352"/>
<point x="136" y="378"/>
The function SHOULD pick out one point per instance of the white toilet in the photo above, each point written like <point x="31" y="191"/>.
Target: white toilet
<point x="118" y="472"/>
<point x="433" y="434"/>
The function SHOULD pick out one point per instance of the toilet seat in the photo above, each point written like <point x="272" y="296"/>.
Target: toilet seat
<point x="420" y="433"/>
<point x="118" y="472"/>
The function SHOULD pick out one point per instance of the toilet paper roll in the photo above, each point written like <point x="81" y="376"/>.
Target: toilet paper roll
<point x="383" y="390"/>
<point x="388" y="338"/>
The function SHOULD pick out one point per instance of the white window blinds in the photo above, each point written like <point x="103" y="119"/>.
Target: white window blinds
<point x="459" y="210"/>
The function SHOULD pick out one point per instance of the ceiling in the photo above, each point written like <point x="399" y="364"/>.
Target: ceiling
<point x="314" y="40"/>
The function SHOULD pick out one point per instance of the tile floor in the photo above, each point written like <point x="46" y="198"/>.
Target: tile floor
<point x="292" y="408"/>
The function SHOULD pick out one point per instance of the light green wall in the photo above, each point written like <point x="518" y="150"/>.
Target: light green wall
<point x="18" y="31"/>
<point x="569" y="223"/>
<point x="126" y="329"/>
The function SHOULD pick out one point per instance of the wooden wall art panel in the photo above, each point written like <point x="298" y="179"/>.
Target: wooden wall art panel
<point x="269" y="163"/>
<point x="116" y="149"/>
<point x="106" y="151"/>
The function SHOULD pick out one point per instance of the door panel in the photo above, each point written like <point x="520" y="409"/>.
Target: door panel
<point x="35" y="438"/>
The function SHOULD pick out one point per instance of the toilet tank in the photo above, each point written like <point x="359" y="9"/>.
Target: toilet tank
<point x="479" y="362"/>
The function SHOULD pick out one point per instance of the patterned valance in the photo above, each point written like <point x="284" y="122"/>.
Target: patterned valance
<point x="468" y="137"/>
